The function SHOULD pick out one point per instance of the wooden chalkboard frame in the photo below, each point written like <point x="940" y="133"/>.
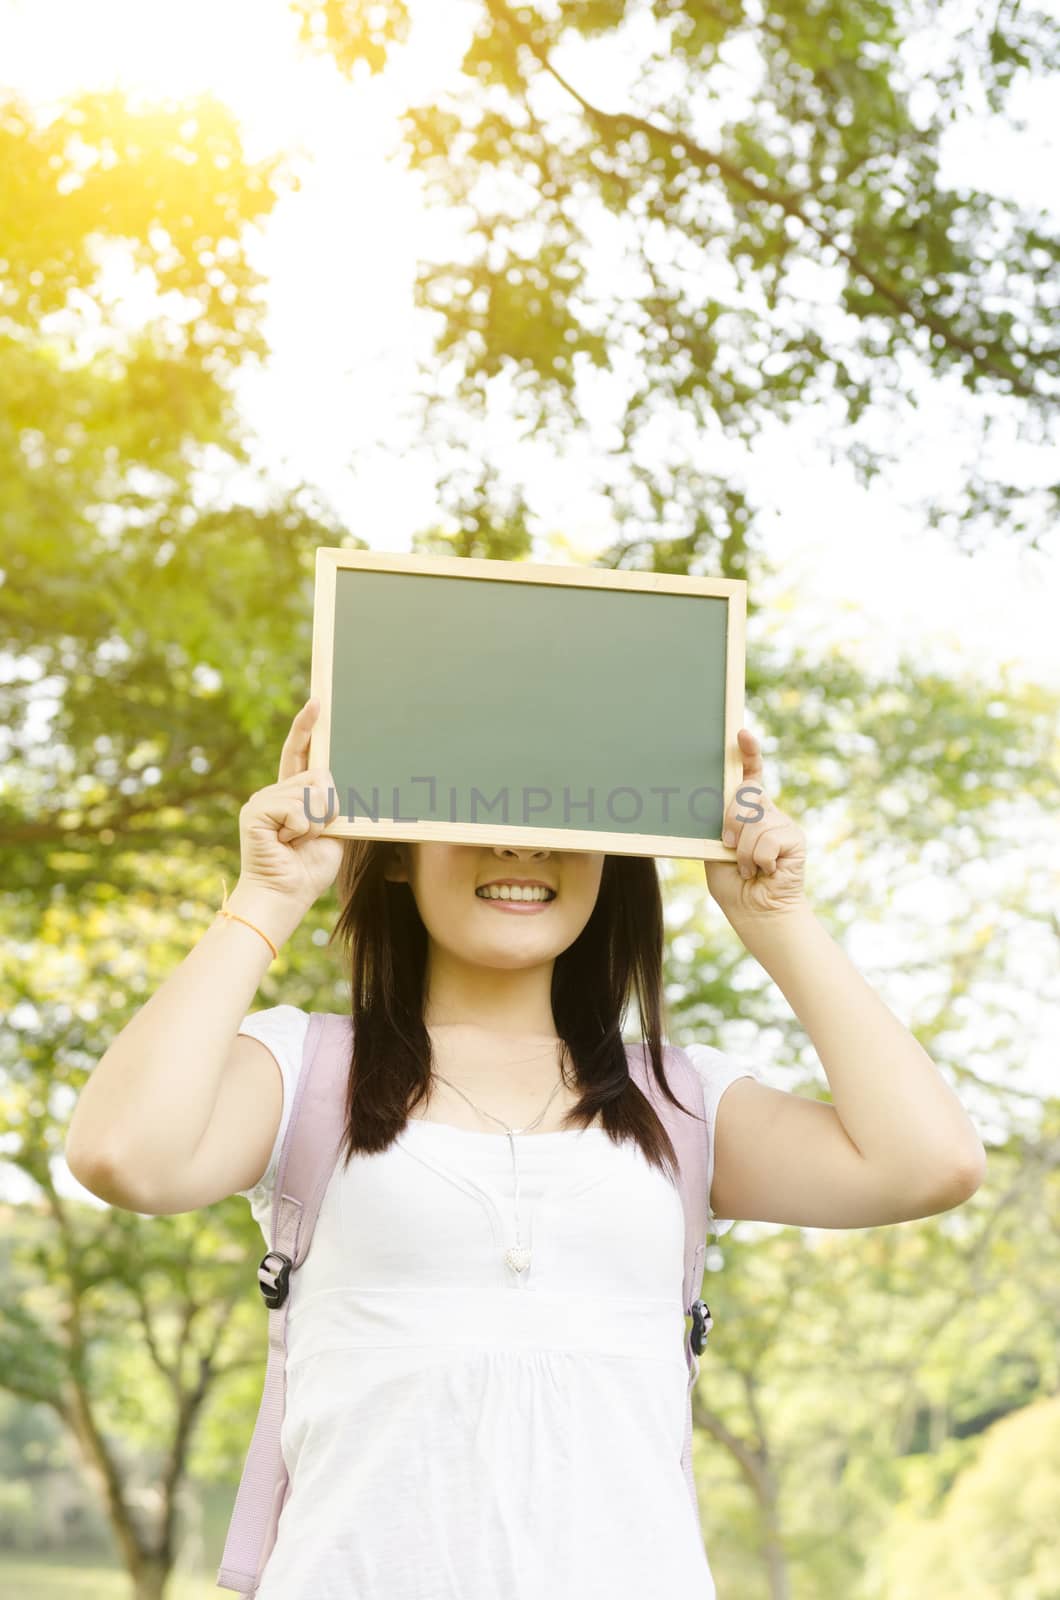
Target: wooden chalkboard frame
<point x="331" y="559"/>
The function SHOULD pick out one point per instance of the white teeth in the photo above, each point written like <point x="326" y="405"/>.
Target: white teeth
<point x="513" y="892"/>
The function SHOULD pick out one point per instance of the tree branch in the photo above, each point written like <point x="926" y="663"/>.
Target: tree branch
<point x="758" y="187"/>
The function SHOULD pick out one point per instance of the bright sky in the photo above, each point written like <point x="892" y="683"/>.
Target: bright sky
<point x="332" y="407"/>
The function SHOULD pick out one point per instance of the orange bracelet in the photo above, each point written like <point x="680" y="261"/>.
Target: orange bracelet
<point x="235" y="917"/>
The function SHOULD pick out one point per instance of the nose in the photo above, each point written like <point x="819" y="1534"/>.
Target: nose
<point x="532" y="852"/>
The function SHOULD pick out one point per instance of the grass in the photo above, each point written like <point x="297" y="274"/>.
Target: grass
<point x="39" y="1578"/>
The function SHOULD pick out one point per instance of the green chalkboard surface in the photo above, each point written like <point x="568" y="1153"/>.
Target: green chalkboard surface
<point x="493" y="701"/>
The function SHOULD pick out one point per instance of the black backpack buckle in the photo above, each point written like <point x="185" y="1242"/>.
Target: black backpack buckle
<point x="702" y="1322"/>
<point x="272" y="1281"/>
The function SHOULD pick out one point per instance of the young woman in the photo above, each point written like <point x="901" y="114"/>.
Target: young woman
<point x="485" y="1373"/>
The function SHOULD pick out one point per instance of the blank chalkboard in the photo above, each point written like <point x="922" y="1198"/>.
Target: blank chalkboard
<point x="499" y="702"/>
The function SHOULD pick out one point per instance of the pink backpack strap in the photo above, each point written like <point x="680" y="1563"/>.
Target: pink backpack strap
<point x="689" y="1138"/>
<point x="308" y="1157"/>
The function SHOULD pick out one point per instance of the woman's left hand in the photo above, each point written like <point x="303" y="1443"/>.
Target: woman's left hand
<point x="767" y="876"/>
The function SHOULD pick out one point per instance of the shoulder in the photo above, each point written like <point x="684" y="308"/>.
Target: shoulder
<point x="276" y="1023"/>
<point x="716" y="1070"/>
<point x="713" y="1067"/>
<point x="282" y="1030"/>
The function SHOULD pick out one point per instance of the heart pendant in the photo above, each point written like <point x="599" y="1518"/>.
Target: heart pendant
<point x="517" y="1258"/>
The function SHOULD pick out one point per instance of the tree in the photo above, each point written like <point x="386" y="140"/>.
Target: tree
<point x="126" y="1331"/>
<point x="171" y="638"/>
<point x="698" y="219"/>
<point x="137" y="606"/>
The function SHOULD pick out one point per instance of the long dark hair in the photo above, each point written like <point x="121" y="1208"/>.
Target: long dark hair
<point x="618" y="953"/>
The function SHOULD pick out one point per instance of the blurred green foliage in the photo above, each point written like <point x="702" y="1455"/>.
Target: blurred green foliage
<point x="871" y="1403"/>
<point x="735" y="213"/>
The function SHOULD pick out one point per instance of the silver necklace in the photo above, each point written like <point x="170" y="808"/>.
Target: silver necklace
<point x="517" y="1255"/>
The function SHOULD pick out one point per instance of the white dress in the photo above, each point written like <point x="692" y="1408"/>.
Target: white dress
<point x="453" y="1431"/>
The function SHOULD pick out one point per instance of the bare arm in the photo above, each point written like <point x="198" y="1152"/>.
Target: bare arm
<point x="897" y="1110"/>
<point x="896" y="1143"/>
<point x="149" y="1099"/>
<point x="148" y="1103"/>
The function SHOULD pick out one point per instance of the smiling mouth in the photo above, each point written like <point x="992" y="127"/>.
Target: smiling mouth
<point x="515" y="896"/>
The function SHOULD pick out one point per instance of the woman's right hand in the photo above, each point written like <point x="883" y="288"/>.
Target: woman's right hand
<point x="280" y="848"/>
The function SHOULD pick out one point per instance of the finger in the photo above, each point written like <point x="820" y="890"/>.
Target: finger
<point x="294" y="756"/>
<point x="769" y="846"/>
<point x="295" y="824"/>
<point x="316" y="808"/>
<point x="736" y="819"/>
<point x="751" y="754"/>
<point x="748" y="855"/>
<point x="309" y="778"/>
<point x="317" y="799"/>
<point x="773" y="843"/>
